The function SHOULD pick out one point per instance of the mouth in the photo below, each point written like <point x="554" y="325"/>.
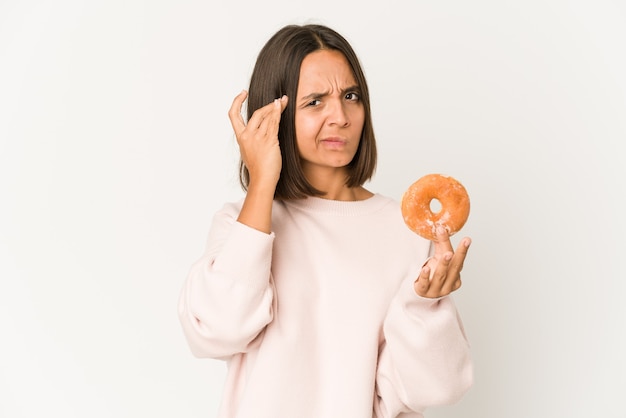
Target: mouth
<point x="334" y="142"/>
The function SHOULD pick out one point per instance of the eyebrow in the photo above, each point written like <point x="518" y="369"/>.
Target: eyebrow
<point x="315" y="95"/>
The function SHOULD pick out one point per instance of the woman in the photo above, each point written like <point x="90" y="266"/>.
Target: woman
<point x="313" y="290"/>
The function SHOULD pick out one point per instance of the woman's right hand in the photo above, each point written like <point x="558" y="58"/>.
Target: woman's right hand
<point x="258" y="140"/>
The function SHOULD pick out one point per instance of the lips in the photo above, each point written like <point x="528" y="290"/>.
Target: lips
<point x="334" y="142"/>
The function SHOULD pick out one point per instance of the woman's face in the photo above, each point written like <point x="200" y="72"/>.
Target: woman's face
<point x="329" y="113"/>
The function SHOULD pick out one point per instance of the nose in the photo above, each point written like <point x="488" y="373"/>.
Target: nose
<point x="337" y="114"/>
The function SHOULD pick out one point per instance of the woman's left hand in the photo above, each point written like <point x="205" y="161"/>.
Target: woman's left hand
<point x="441" y="275"/>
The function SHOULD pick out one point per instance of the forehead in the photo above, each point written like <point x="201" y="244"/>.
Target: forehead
<point x="325" y="69"/>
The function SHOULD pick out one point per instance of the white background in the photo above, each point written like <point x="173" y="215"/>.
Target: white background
<point x="115" y="150"/>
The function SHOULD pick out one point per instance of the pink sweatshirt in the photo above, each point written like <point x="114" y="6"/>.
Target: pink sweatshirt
<point x="319" y="318"/>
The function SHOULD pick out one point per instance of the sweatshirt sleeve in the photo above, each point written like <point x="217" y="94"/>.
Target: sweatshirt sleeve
<point x="227" y="298"/>
<point x="424" y="359"/>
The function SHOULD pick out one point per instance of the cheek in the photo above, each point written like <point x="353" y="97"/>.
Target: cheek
<point x="306" y="130"/>
<point x="358" y="120"/>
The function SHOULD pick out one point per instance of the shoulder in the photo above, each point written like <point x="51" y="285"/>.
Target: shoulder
<point x="394" y="225"/>
<point x="229" y="210"/>
<point x="224" y="219"/>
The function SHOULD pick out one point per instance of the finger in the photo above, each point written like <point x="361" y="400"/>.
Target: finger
<point x="453" y="275"/>
<point x="460" y="254"/>
<point x="283" y="103"/>
<point x="422" y="284"/>
<point x="281" y="106"/>
<point x="442" y="243"/>
<point x="441" y="276"/>
<point x="265" y="116"/>
<point x="234" y="113"/>
<point x="463" y="248"/>
<point x="271" y="121"/>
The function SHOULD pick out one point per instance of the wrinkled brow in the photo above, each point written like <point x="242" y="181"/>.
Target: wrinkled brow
<point x="319" y="95"/>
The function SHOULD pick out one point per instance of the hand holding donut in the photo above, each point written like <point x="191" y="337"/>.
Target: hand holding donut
<point x="441" y="275"/>
<point x="258" y="140"/>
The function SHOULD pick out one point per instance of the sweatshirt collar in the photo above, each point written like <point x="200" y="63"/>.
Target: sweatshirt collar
<point x="339" y="207"/>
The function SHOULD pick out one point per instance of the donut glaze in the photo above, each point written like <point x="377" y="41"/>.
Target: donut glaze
<point x="416" y="205"/>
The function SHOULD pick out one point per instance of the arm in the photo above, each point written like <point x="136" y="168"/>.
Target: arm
<point x="424" y="359"/>
<point x="260" y="152"/>
<point x="227" y="298"/>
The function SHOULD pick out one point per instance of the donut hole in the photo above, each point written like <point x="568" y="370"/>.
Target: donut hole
<point x="435" y="206"/>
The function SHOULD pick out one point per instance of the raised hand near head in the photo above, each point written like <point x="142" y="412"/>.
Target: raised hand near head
<point x="258" y="139"/>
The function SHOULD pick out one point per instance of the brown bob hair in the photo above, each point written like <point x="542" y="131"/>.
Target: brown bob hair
<point x="276" y="73"/>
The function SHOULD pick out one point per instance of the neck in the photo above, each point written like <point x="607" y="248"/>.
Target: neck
<point x="348" y="194"/>
<point x="333" y="184"/>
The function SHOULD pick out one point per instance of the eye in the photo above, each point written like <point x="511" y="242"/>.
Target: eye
<point x="352" y="96"/>
<point x="313" y="103"/>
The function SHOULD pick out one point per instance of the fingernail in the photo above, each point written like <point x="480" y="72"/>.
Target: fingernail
<point x="440" y="229"/>
<point x="283" y="98"/>
<point x="448" y="257"/>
